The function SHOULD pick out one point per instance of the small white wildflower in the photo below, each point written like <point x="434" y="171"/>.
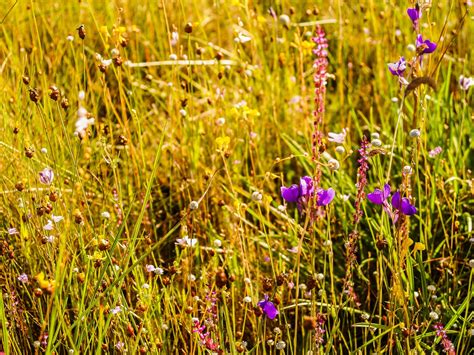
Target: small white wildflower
<point x="173" y="56"/>
<point x="277" y="330"/>
<point x="12" y="231"/>
<point x="23" y="278"/>
<point x="70" y="351"/>
<point x="105" y="215"/>
<point x="340" y="149"/>
<point x="375" y="135"/>
<point x="174" y="38"/>
<point x="434" y="315"/>
<point x="49" y="226"/>
<point x="416" y="294"/>
<point x="471" y="263"/>
<point x="270" y="342"/>
<point x="247" y="280"/>
<point x="186" y="241"/>
<point x="256" y="196"/>
<point x="365" y="316"/>
<point x="49" y="239"/>
<point x="44" y="150"/>
<point x="70" y="38"/>
<point x="242" y="38"/>
<point x="434" y="297"/>
<point x="247" y="299"/>
<point x="81" y="95"/>
<point x="220" y="121"/>
<point x="303" y="287"/>
<point x="394" y="99"/>
<point x="57" y="219"/>
<point x="191" y="277"/>
<point x="471" y="332"/>
<point x="194" y="205"/>
<point x="183" y="112"/>
<point x="337" y="137"/>
<point x="280" y="345"/>
<point x="398" y="33"/>
<point x="320" y="277"/>
<point x="158" y="271"/>
<point x="334" y="164"/>
<point x="327" y="243"/>
<point x="120" y="345"/>
<point x="281" y="208"/>
<point x="165" y="326"/>
<point x="116" y="310"/>
<point x="36" y="344"/>
<point x="150" y="268"/>
<point x="146" y="286"/>
<point x="411" y="48"/>
<point x="253" y="135"/>
<point x="431" y="288"/>
<point x="217" y="243"/>
<point x="114" y="52"/>
<point x="407" y="170"/>
<point x="415" y="133"/>
<point x="284" y="20"/>
<point x="376" y="142"/>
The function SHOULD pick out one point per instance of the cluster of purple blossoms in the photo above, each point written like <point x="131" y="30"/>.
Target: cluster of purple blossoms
<point x="448" y="346"/>
<point x="302" y="193"/>
<point x="422" y="46"/>
<point x="210" y="322"/>
<point x="399" y="204"/>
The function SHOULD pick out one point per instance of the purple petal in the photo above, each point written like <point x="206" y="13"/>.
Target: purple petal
<point x="396" y="200"/>
<point x="430" y="47"/>
<point x="386" y="191"/>
<point x="325" y="197"/>
<point x="414" y="14"/>
<point x="306" y="186"/>
<point x="419" y="40"/>
<point x="290" y="194"/>
<point x="376" y="197"/>
<point x="407" y="208"/>
<point x="269" y="309"/>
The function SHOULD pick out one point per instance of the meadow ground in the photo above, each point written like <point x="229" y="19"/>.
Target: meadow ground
<point x="191" y="176"/>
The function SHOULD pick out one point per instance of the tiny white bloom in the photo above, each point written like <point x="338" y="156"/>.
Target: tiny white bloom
<point x="247" y="299"/>
<point x="49" y="226"/>
<point x="217" y="243"/>
<point x="434" y="315"/>
<point x="105" y="215"/>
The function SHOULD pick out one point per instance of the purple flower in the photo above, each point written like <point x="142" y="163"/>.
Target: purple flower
<point x="12" y="231"/>
<point x="290" y="194"/>
<point x="465" y="83"/>
<point x="325" y="197"/>
<point x="306" y="186"/>
<point x="23" y="278"/>
<point x="403" y="204"/>
<point x="415" y="15"/>
<point x="434" y="152"/>
<point x="337" y="137"/>
<point x="268" y="308"/>
<point x="424" y="47"/>
<point x="378" y="196"/>
<point x="46" y="176"/>
<point x="398" y="68"/>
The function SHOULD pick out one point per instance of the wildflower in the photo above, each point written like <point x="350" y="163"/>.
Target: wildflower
<point x="242" y="38"/>
<point x="46" y="176"/>
<point x="12" y="231"/>
<point x="445" y="342"/>
<point x="434" y="315"/>
<point x="193" y="205"/>
<point x="376" y="142"/>
<point x="83" y="119"/>
<point x="150" y="268"/>
<point x="159" y="271"/>
<point x="174" y="38"/>
<point x="120" y="345"/>
<point x="337" y="137"/>
<point x="256" y="196"/>
<point x="116" y="310"/>
<point x="217" y="243"/>
<point x="146" y="286"/>
<point x="284" y="20"/>
<point x="407" y="170"/>
<point x="471" y="263"/>
<point x="398" y="68"/>
<point x="415" y="133"/>
<point x="70" y="38"/>
<point x="44" y="150"/>
<point x="424" y="47"/>
<point x="415" y="15"/>
<point x="290" y="194"/>
<point x="268" y="308"/>
<point x="49" y="226"/>
<point x="378" y="196"/>
<point x="186" y="241"/>
<point x="431" y="288"/>
<point x="247" y="299"/>
<point x="333" y="164"/>
<point x="220" y="121"/>
<point x="173" y="56"/>
<point x="325" y="197"/>
<point x="280" y="345"/>
<point x="434" y="152"/>
<point x="49" y="239"/>
<point x="105" y="215"/>
<point x="23" y="278"/>
<point x="57" y="219"/>
<point x="340" y="149"/>
<point x="403" y="204"/>
<point x="465" y="83"/>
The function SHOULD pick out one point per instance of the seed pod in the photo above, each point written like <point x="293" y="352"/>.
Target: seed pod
<point x="53" y="196"/>
<point x="221" y="278"/>
<point x="81" y="277"/>
<point x="38" y="292"/>
<point x="188" y="28"/>
<point x="122" y="140"/>
<point x="117" y="61"/>
<point x="267" y="284"/>
<point x="81" y="30"/>
<point x="34" y="95"/>
<point x="104" y="244"/>
<point x="219" y="56"/>
<point x="26" y="79"/>
<point x="65" y="103"/>
<point x="78" y="218"/>
<point x="102" y="68"/>
<point x="130" y="330"/>
<point x="54" y="93"/>
<point x="309" y="323"/>
<point x="20" y="186"/>
<point x="16" y="130"/>
<point x="29" y="152"/>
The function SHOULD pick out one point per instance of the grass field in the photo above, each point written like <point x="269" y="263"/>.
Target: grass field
<point x="196" y="177"/>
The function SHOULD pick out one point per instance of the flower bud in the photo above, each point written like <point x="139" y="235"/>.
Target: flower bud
<point x="415" y="133"/>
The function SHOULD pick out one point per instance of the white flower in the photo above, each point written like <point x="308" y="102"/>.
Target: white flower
<point x="44" y="150"/>
<point x="49" y="226"/>
<point x="173" y="56"/>
<point x="242" y="38"/>
<point x="23" y="278"/>
<point x="105" y="215"/>
<point x="465" y="83"/>
<point x="145" y="286"/>
<point x="247" y="299"/>
<point x="340" y="149"/>
<point x="174" y="38"/>
<point x="57" y="219"/>
<point x="70" y="38"/>
<point x="116" y="310"/>
<point x="337" y="137"/>
<point x="186" y="241"/>
<point x="434" y="315"/>
<point x="217" y="243"/>
<point x="49" y="239"/>
<point x="12" y="231"/>
<point x="194" y="205"/>
<point x="150" y="268"/>
<point x="46" y="176"/>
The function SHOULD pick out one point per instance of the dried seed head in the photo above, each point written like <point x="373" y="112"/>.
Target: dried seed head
<point x="26" y="79"/>
<point x="29" y="151"/>
<point x="81" y="30"/>
<point x="188" y="28"/>
<point x="117" y="61"/>
<point x="219" y="56"/>
<point x="65" y="103"/>
<point x="267" y="284"/>
<point x="54" y="93"/>
<point x="104" y="244"/>
<point x="34" y="95"/>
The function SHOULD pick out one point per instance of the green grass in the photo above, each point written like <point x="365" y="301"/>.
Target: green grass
<point x="159" y="142"/>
